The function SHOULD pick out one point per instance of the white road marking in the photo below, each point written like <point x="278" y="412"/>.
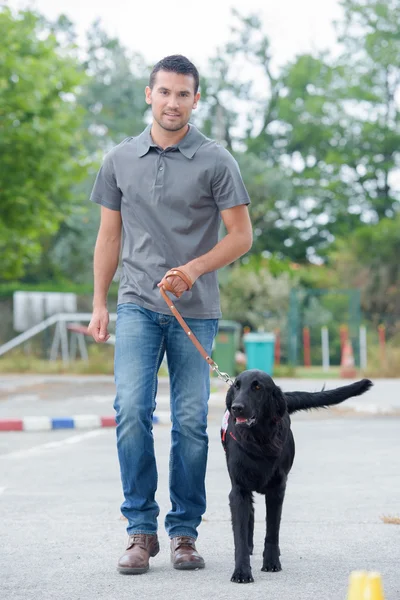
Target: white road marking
<point x="75" y="439"/>
<point x="23" y="398"/>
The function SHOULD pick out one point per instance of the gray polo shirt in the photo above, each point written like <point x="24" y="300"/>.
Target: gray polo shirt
<point x="170" y="202"/>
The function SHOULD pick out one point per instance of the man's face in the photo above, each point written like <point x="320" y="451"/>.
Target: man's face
<point x="172" y="99"/>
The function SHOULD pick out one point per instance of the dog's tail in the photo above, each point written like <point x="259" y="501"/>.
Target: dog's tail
<point x="307" y="400"/>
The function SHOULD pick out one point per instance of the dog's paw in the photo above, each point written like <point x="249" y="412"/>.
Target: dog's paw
<point x="272" y="566"/>
<point x="271" y="562"/>
<point x="242" y="575"/>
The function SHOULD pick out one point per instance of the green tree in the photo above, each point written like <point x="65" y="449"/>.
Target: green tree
<point x="256" y="294"/>
<point x="328" y="129"/>
<point x="41" y="140"/>
<point x="272" y="198"/>
<point x="371" y="64"/>
<point x="343" y="138"/>
<point x="113" y="96"/>
<point x="369" y="261"/>
<point x="246" y="83"/>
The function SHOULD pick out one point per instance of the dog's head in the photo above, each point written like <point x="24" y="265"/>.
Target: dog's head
<point x="255" y="399"/>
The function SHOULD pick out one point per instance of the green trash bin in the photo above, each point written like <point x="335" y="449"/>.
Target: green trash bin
<point x="259" y="348"/>
<point x="226" y="344"/>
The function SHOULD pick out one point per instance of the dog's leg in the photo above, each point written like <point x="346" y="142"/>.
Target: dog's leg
<point x="273" y="501"/>
<point x="241" y="505"/>
<point x="251" y="529"/>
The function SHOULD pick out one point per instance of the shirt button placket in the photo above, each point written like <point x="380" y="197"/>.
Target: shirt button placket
<point x="160" y="170"/>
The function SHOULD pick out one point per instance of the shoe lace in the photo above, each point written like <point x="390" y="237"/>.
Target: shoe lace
<point x="184" y="541"/>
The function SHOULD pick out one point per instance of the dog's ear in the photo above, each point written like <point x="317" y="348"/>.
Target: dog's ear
<point x="229" y="397"/>
<point x="279" y="401"/>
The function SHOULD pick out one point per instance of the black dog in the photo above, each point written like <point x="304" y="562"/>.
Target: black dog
<point x="260" y="451"/>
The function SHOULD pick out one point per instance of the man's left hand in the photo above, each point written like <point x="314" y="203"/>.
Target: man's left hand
<point x="175" y="284"/>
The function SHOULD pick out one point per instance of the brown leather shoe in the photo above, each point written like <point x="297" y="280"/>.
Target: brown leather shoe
<point x="184" y="554"/>
<point x="136" y="558"/>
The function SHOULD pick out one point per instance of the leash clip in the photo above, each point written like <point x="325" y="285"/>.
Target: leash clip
<point x="224" y="376"/>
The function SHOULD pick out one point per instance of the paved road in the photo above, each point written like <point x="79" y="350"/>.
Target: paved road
<point x="61" y="531"/>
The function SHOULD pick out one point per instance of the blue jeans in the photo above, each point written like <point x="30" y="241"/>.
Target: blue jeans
<point x="142" y="338"/>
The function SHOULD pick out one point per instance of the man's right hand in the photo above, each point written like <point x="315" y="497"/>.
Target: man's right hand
<point x="98" y="325"/>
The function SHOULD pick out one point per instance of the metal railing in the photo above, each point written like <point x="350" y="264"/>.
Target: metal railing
<point x="60" y="340"/>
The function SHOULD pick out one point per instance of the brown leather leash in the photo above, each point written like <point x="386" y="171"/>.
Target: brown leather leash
<point x="224" y="376"/>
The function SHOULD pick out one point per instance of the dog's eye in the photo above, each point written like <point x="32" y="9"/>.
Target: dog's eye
<point x="256" y="385"/>
<point x="237" y="384"/>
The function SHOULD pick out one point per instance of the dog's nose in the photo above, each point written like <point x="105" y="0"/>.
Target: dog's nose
<point x="237" y="409"/>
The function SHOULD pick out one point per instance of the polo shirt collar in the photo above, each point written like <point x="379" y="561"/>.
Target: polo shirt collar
<point x="145" y="142"/>
<point x="188" y="146"/>
<point x="192" y="141"/>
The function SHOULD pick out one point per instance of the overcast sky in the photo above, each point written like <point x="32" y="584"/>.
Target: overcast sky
<point x="157" y="28"/>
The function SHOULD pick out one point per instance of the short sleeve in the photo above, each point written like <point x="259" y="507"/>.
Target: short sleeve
<point x="105" y="190"/>
<point x="227" y="186"/>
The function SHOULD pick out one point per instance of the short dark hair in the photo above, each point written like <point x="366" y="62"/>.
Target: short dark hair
<point x="176" y="64"/>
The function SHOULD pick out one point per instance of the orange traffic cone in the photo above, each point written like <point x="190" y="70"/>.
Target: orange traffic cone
<point x="347" y="367"/>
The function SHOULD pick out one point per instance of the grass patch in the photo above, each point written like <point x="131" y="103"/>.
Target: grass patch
<point x="391" y="520"/>
<point x="389" y="366"/>
<point x="306" y="372"/>
<point x="318" y="373"/>
<point x="101" y="362"/>
<point x="284" y="371"/>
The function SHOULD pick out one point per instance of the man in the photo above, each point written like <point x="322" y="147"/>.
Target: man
<point x="165" y="191"/>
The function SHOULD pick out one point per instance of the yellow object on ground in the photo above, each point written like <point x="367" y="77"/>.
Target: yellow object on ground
<point x="365" y="586"/>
